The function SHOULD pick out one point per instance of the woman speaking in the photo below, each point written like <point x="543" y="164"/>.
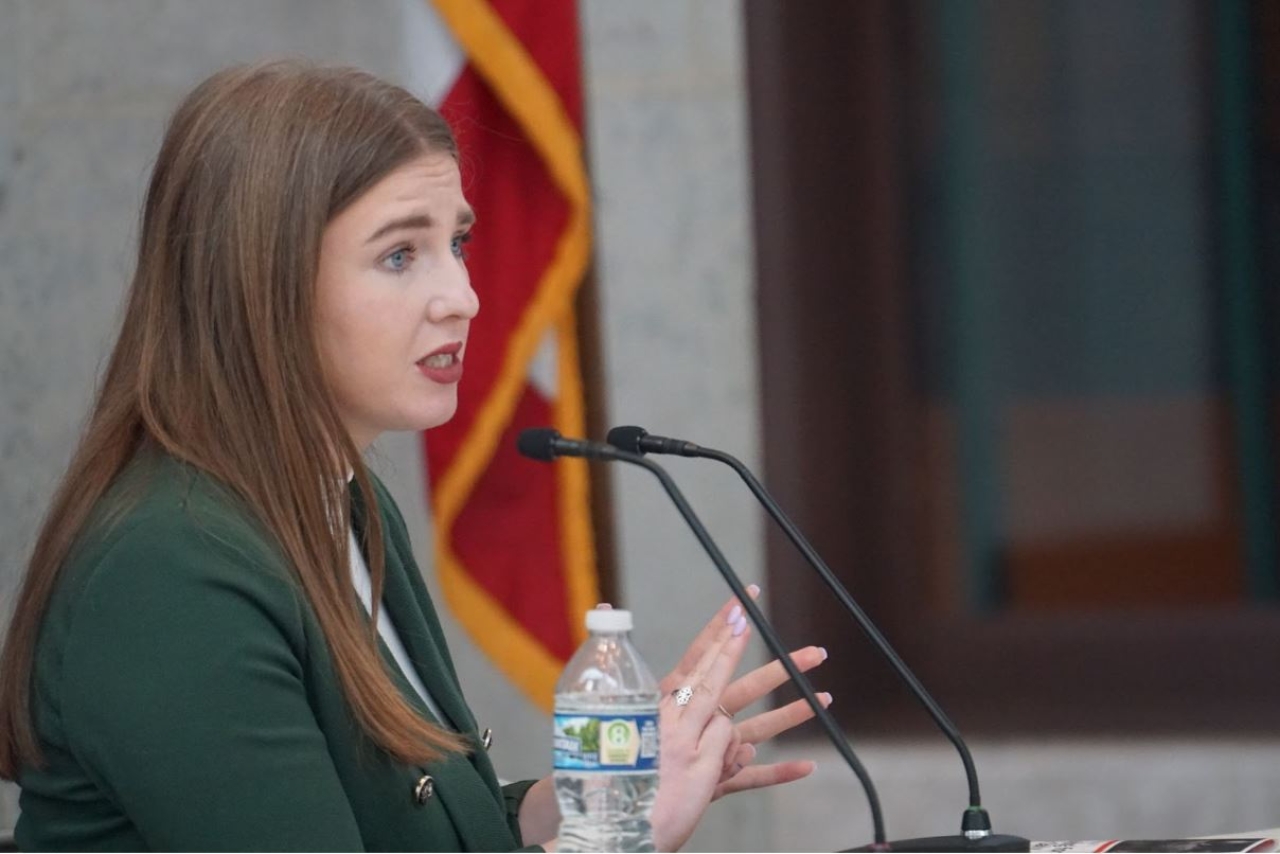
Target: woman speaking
<point x="222" y="640"/>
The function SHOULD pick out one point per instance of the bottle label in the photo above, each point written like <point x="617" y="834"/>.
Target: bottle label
<point x="613" y="743"/>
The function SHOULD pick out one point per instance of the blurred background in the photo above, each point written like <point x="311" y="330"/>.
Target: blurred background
<point x="980" y="287"/>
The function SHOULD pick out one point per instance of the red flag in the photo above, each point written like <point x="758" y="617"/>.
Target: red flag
<point x="513" y="537"/>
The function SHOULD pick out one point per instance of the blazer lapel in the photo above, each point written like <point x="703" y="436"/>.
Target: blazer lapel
<point x="435" y="639"/>
<point x="429" y="659"/>
<point x="413" y="613"/>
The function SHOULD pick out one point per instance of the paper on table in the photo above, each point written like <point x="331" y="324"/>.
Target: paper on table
<point x="1215" y="844"/>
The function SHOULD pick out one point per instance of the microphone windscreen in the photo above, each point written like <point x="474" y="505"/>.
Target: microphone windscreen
<point x="538" y="443"/>
<point x="627" y="438"/>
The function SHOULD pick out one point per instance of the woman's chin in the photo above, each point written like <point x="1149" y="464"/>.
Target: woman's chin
<point x="428" y="420"/>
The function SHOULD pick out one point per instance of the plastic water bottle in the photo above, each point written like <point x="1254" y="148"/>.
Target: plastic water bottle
<point x="606" y="741"/>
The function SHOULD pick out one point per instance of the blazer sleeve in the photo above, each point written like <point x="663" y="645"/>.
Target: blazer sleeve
<point x="513" y="795"/>
<point x="183" y="695"/>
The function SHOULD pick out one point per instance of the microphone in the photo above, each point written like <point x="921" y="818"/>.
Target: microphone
<point x="975" y="824"/>
<point x="545" y="444"/>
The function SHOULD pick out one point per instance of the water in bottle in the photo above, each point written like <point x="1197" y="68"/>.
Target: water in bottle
<point x="606" y="741"/>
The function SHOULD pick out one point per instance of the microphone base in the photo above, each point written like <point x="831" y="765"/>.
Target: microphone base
<point x="994" y="842"/>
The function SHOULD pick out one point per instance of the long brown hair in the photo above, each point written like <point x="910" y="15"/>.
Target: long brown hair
<point x="217" y="362"/>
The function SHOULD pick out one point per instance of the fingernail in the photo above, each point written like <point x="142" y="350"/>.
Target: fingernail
<point x="734" y="614"/>
<point x="830" y="699"/>
<point x="604" y="606"/>
<point x="739" y="626"/>
<point x="823" y="650"/>
<point x="751" y="752"/>
<point x="754" y="590"/>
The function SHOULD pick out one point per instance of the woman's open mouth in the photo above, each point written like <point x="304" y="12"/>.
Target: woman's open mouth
<point x="443" y="365"/>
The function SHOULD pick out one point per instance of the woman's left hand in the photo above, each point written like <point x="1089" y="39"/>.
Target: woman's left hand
<point x="737" y="772"/>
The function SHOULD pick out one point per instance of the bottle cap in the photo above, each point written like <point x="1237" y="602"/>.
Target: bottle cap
<point x="608" y="620"/>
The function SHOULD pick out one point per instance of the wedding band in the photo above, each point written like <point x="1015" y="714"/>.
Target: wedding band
<point x="722" y="710"/>
<point x="683" y="695"/>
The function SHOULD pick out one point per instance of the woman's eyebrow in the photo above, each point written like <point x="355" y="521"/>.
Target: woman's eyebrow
<point x="421" y="221"/>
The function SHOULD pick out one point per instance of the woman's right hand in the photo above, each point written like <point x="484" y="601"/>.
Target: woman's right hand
<point x="694" y="739"/>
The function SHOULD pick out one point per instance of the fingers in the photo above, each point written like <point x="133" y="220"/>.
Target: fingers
<point x="699" y="749"/>
<point x="766" y="725"/>
<point x="754" y="685"/>
<point x="690" y="770"/>
<point x="736" y="757"/>
<point x="714" y="671"/>
<point x="760" y="776"/>
<point x="679" y="676"/>
<point x="716" y="737"/>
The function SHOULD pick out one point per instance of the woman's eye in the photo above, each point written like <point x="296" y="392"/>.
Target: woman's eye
<point x="459" y="245"/>
<point x="398" y="261"/>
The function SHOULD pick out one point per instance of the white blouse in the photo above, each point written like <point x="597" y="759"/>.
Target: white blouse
<point x="364" y="589"/>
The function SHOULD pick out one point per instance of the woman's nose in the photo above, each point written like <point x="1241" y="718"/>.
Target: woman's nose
<point x="456" y="299"/>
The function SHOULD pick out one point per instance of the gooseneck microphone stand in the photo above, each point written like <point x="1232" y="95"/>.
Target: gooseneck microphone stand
<point x="545" y="444"/>
<point x="975" y="824"/>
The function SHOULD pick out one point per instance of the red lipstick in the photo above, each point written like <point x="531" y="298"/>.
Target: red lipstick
<point x="442" y="365"/>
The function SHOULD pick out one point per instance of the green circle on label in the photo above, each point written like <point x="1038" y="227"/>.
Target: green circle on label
<point x="619" y="733"/>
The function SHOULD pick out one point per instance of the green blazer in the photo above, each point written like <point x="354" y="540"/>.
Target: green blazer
<point x="185" y="697"/>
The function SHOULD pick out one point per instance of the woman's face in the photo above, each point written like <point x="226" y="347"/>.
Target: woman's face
<point x="394" y="300"/>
